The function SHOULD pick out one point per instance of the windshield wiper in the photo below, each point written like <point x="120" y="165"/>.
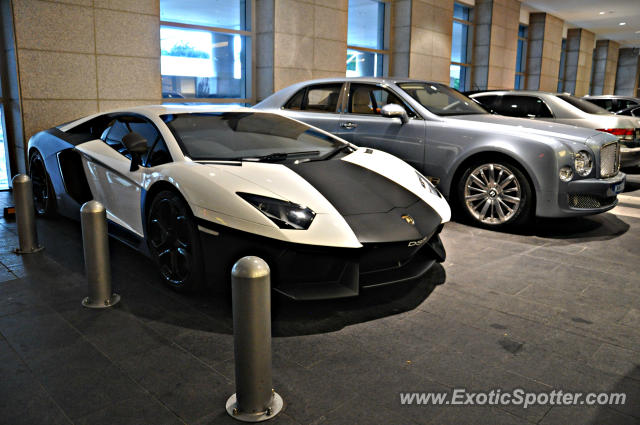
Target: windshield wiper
<point x="279" y="156"/>
<point x="336" y="151"/>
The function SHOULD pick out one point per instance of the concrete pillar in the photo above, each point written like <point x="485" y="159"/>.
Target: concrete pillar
<point x="628" y="72"/>
<point x="78" y="59"/>
<point x="543" y="52"/>
<point x="605" y="63"/>
<point x="422" y="39"/>
<point x="297" y="40"/>
<point x="10" y="87"/>
<point x="578" y="61"/>
<point x="495" y="44"/>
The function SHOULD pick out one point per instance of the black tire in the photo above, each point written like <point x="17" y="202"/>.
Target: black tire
<point x="44" y="200"/>
<point x="174" y="242"/>
<point x="498" y="199"/>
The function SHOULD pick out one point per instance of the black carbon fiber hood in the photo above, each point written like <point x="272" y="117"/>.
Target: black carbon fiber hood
<point x="371" y="204"/>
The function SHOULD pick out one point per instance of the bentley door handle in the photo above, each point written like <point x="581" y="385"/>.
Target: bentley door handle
<point x="348" y="125"/>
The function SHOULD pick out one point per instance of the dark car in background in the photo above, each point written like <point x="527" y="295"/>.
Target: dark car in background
<point x="496" y="170"/>
<point x="632" y="111"/>
<point x="613" y="103"/>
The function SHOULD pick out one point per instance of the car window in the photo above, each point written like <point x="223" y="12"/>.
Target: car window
<point x="583" y="105"/>
<point x="603" y="103"/>
<point x="320" y="98"/>
<point x="159" y="154"/>
<point x="441" y="100"/>
<point x="626" y="103"/>
<point x="113" y="136"/>
<point x="122" y="126"/>
<point x="369" y="99"/>
<point x="247" y="135"/>
<point x="522" y="107"/>
<point x="295" y="103"/>
<point x="486" y="101"/>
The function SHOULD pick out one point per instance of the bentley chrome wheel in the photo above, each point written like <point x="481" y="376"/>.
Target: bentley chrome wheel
<point x="492" y="194"/>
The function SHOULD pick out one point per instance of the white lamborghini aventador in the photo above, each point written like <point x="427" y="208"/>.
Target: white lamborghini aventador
<point x="196" y="188"/>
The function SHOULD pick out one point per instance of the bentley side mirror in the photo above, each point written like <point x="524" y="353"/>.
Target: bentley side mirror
<point x="136" y="144"/>
<point x="393" y="110"/>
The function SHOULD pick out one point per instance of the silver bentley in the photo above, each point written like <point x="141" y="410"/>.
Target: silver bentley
<point x="496" y="170"/>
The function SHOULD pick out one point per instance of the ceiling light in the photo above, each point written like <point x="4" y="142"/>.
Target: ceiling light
<point x="622" y="23"/>
<point x="602" y="13"/>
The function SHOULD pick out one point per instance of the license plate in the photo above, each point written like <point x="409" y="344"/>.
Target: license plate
<point x="617" y="188"/>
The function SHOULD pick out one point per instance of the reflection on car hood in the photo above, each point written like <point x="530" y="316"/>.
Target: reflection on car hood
<point x="524" y="126"/>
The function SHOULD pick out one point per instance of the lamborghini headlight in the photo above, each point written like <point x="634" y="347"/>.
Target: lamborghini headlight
<point x="427" y="184"/>
<point x="286" y="215"/>
<point x="583" y="163"/>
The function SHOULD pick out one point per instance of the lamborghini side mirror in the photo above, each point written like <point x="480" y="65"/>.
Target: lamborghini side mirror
<point x="136" y="144"/>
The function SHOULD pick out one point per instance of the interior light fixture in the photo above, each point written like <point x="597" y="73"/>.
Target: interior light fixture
<point x="622" y="23"/>
<point x="602" y="13"/>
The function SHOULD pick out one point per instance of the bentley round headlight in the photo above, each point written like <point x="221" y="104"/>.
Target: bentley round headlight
<point x="583" y="163"/>
<point x="566" y="173"/>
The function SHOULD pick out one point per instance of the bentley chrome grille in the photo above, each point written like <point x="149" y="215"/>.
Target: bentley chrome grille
<point x="609" y="159"/>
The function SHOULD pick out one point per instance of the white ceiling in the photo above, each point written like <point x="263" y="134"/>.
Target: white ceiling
<point x="586" y="14"/>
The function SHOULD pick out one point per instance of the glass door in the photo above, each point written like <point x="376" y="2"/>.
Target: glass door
<point x="4" y="159"/>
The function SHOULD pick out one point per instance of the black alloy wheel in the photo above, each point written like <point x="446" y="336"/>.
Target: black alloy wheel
<point x="43" y="194"/>
<point x="174" y="243"/>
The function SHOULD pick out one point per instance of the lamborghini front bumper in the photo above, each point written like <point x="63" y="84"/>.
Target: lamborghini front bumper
<point x="305" y="272"/>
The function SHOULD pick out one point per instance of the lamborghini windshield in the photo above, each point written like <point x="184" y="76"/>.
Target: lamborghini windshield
<point x="442" y="100"/>
<point x="248" y="136"/>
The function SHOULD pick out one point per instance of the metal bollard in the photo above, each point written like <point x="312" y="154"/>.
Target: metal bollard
<point x="25" y="215"/>
<point x="254" y="400"/>
<point x="95" y="242"/>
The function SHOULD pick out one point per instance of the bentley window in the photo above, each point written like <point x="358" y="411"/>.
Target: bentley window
<point x="442" y="100"/>
<point x="323" y="98"/>
<point x="368" y="99"/>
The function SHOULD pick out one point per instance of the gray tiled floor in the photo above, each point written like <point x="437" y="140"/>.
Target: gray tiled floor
<point x="555" y="308"/>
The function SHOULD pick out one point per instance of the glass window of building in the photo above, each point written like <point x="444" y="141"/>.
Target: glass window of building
<point x="206" y="50"/>
<point x="367" y="44"/>
<point x="563" y="61"/>
<point x="460" y="70"/>
<point x="521" y="57"/>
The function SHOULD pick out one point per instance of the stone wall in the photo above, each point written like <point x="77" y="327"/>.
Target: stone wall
<point x="544" y="51"/>
<point x="78" y="57"/>
<point x="299" y="40"/>
<point x="422" y="39"/>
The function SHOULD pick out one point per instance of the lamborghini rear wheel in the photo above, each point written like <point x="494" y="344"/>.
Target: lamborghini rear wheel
<point x="43" y="194"/>
<point x="174" y="241"/>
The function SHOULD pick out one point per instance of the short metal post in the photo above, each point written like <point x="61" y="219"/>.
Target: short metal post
<point x="25" y="215"/>
<point x="254" y="400"/>
<point x="95" y="242"/>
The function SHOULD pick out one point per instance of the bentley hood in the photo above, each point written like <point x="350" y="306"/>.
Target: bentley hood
<point x="528" y="127"/>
